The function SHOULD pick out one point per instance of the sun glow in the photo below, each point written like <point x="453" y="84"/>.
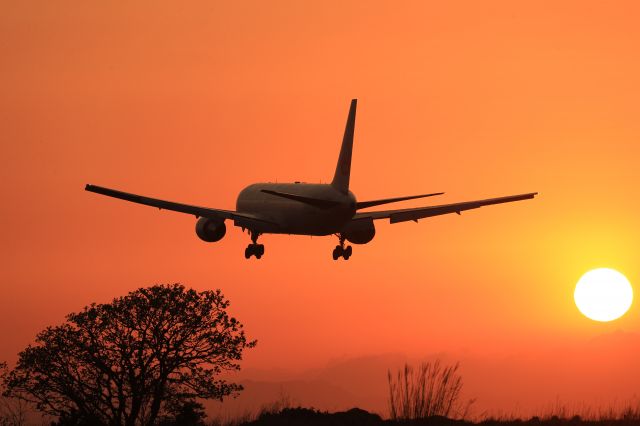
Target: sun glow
<point x="603" y="294"/>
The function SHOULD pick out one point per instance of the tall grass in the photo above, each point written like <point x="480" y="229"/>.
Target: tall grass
<point x="615" y="411"/>
<point x="622" y="413"/>
<point x="429" y="390"/>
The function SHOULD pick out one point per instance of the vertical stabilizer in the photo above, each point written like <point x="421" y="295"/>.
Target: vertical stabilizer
<point x="343" y="168"/>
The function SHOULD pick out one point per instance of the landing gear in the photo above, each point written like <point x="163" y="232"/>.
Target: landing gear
<point x="341" y="251"/>
<point x="345" y="253"/>
<point x="254" y="249"/>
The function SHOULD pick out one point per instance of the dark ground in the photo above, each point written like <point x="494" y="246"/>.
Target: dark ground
<point x="358" y="417"/>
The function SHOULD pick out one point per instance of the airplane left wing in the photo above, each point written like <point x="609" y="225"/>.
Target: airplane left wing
<point x="241" y="219"/>
<point x="403" y="215"/>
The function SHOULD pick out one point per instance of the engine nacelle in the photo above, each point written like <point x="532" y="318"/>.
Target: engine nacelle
<point x="210" y="230"/>
<point x="359" y="231"/>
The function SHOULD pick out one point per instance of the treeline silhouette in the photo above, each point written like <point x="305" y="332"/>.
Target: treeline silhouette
<point x="356" y="417"/>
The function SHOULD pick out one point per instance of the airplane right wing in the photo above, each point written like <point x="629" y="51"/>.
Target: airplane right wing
<point x="403" y="215"/>
<point x="240" y="219"/>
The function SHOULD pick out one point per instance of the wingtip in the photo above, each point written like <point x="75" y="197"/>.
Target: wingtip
<point x="93" y="188"/>
<point x="529" y="195"/>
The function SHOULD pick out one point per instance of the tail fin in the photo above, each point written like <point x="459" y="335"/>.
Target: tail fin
<point x="343" y="168"/>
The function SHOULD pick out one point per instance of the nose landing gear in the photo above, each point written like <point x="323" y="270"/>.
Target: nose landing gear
<point x="341" y="251"/>
<point x="254" y="249"/>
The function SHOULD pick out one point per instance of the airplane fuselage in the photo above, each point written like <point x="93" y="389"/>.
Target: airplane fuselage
<point x="295" y="217"/>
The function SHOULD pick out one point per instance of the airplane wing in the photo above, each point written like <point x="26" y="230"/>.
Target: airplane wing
<point x="402" y="215"/>
<point x="240" y="219"/>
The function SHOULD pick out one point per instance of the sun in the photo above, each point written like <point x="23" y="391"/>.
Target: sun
<point x="603" y="294"/>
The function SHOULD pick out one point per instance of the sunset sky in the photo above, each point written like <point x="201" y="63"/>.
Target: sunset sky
<point x="192" y="101"/>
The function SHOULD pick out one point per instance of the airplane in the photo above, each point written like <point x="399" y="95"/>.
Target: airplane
<point x="306" y="209"/>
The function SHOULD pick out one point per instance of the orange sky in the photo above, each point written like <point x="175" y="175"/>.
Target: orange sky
<point x="192" y="102"/>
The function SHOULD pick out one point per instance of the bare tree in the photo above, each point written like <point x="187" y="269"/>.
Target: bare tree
<point x="13" y="411"/>
<point x="120" y="363"/>
<point x="429" y="390"/>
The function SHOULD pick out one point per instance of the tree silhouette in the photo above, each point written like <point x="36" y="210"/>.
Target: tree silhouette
<point x="131" y="360"/>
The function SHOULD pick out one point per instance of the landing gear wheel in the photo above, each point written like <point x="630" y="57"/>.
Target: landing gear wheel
<point x="340" y="250"/>
<point x="254" y="249"/>
<point x="347" y="253"/>
<point x="337" y="252"/>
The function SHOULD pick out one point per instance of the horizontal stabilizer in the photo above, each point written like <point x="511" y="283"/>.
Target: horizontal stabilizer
<point x="365" y="204"/>
<point x="316" y="202"/>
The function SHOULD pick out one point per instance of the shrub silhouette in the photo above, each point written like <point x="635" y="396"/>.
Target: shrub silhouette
<point x="430" y="390"/>
<point x="183" y="413"/>
<point x="134" y="360"/>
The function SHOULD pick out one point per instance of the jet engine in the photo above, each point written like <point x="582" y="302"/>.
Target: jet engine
<point x="359" y="231"/>
<point x="210" y="230"/>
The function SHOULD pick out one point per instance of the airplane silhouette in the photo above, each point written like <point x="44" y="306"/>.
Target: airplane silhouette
<point x="306" y="209"/>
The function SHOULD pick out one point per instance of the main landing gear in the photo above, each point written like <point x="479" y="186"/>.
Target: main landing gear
<point x="254" y="249"/>
<point x="341" y="251"/>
